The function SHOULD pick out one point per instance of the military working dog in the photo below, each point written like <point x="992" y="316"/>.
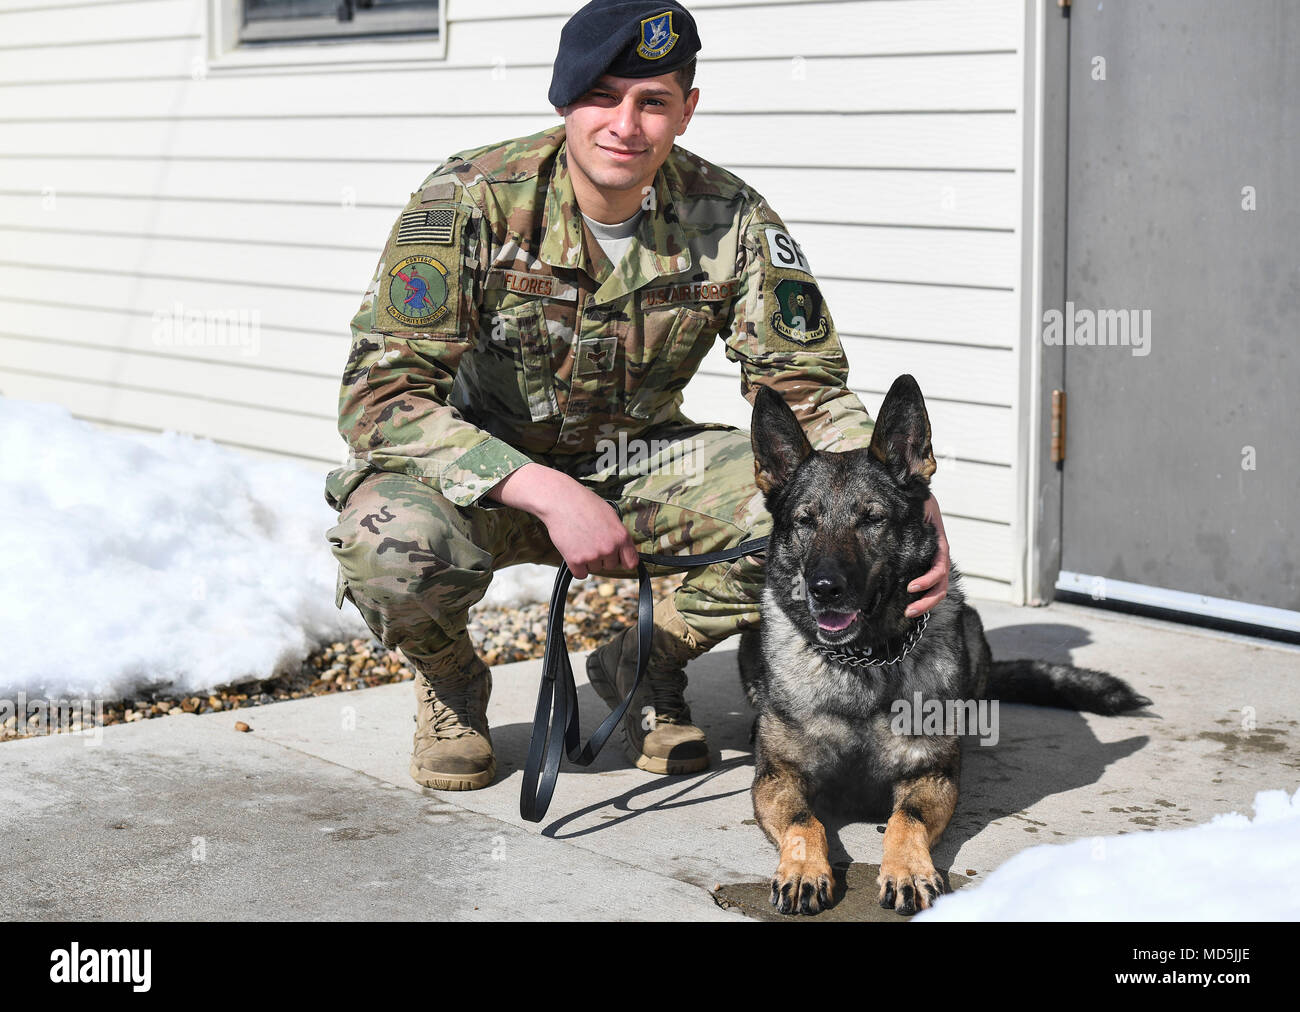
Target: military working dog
<point x="834" y="651"/>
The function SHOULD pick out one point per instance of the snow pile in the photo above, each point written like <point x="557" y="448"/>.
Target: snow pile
<point x="163" y="560"/>
<point x="1231" y="868"/>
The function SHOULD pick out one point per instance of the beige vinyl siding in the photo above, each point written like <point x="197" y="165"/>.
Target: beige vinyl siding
<point x="135" y="177"/>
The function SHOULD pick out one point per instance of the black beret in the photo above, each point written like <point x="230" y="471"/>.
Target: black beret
<point x="623" y="38"/>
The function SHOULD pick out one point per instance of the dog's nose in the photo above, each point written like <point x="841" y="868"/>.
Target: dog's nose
<point x="826" y="587"/>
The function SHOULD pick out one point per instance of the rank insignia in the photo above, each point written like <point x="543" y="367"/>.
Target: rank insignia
<point x="417" y="291"/>
<point x="798" y="315"/>
<point x="657" y="36"/>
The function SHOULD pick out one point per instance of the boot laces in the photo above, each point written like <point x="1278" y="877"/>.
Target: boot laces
<point x="668" y="687"/>
<point x="452" y="710"/>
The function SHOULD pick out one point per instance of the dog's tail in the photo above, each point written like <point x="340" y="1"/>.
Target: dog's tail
<point x="1041" y="683"/>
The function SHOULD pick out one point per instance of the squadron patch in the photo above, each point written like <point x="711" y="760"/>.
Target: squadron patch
<point x="657" y="36"/>
<point x="418" y="291"/>
<point x="798" y="315"/>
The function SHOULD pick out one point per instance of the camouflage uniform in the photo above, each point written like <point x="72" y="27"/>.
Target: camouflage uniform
<point x="496" y="332"/>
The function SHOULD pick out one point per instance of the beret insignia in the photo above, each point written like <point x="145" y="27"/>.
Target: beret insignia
<point x="657" y="36"/>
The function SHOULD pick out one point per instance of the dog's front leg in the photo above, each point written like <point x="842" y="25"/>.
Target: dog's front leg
<point x="922" y="807"/>
<point x="803" y="879"/>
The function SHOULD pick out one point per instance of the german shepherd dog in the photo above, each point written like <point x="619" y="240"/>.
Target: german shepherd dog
<point x="833" y="651"/>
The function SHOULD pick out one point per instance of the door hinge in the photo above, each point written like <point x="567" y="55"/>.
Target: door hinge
<point x="1058" y="426"/>
<point x="1065" y="7"/>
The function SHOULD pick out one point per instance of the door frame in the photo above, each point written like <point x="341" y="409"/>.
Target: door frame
<point x="1044" y="189"/>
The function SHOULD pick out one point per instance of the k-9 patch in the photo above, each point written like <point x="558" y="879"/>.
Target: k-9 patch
<point x="416" y="292"/>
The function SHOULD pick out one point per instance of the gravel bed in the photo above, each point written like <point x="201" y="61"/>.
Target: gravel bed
<point x="598" y="608"/>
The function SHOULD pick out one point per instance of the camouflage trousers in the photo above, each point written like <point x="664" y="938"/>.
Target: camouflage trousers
<point x="414" y="563"/>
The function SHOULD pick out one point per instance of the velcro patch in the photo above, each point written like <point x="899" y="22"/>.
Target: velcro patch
<point x="444" y="190"/>
<point x="596" y="355"/>
<point x="694" y="291"/>
<point x="427" y="224"/>
<point x="418" y="293"/>
<point x="795" y="313"/>
<point x="784" y="252"/>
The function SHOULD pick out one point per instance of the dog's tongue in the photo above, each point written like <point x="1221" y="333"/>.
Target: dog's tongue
<point x="834" y="621"/>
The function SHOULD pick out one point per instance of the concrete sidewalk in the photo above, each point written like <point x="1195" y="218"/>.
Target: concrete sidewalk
<point x="313" y="814"/>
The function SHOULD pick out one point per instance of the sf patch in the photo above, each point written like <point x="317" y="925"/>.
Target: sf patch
<point x="784" y="252"/>
<point x="657" y="37"/>
<point x="798" y="315"/>
<point x="417" y="291"/>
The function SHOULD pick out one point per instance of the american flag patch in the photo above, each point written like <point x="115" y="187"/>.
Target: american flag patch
<point x="435" y="225"/>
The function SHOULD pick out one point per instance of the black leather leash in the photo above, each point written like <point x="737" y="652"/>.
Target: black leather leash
<point x="559" y="695"/>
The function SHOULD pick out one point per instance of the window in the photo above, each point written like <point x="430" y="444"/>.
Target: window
<point x="303" y="20"/>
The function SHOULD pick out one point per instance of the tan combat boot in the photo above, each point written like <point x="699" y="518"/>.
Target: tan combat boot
<point x="453" y="747"/>
<point x="660" y="737"/>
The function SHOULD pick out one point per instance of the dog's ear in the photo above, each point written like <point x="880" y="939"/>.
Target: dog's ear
<point x="779" y="443"/>
<point x="901" y="437"/>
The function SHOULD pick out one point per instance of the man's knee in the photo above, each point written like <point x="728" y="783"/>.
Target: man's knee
<point x="396" y="537"/>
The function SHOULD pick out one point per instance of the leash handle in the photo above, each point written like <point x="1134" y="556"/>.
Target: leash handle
<point x="555" y="720"/>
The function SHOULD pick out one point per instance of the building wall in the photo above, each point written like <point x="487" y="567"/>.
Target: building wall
<point x="141" y="178"/>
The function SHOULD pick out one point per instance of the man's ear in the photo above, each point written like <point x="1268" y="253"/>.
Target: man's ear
<point x="778" y="442"/>
<point x="692" y="100"/>
<point x="901" y="437"/>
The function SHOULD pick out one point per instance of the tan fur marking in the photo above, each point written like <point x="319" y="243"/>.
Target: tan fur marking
<point x="805" y="854"/>
<point x="907" y="842"/>
<point x="777" y="798"/>
<point x="928" y="465"/>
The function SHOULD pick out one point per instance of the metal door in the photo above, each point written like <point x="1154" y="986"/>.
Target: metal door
<point x="1181" y="482"/>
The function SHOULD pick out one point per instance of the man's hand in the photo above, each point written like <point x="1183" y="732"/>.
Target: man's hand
<point x="583" y="527"/>
<point x="936" y="580"/>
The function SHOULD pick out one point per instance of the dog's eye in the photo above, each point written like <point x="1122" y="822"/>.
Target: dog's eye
<point x="873" y="516"/>
<point x="806" y="520"/>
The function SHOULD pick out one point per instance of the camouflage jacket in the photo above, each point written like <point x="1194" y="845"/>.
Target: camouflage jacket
<point x="495" y="331"/>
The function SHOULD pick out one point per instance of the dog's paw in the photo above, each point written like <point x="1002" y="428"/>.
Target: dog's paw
<point x="804" y="887"/>
<point x="908" y="888"/>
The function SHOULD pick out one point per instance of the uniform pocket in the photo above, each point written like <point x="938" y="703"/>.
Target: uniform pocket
<point x="677" y="360"/>
<point x="523" y="331"/>
<point x="335" y="538"/>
